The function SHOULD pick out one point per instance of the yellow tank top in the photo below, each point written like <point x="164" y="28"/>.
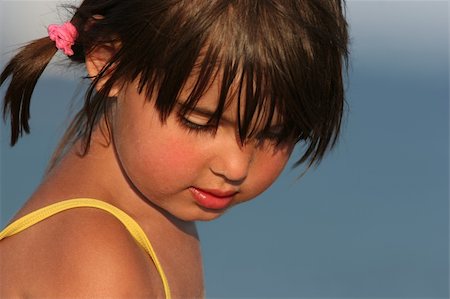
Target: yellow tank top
<point x="130" y="224"/>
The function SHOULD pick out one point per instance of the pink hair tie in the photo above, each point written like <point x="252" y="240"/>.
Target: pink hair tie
<point x="64" y="36"/>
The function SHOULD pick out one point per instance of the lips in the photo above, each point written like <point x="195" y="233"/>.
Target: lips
<point x="212" y="199"/>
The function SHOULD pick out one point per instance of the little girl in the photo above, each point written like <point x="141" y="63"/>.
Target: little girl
<point x="193" y="107"/>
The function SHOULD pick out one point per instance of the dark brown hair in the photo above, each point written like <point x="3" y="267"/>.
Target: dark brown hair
<point x="286" y="56"/>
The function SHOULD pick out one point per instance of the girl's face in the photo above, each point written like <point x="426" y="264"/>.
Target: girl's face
<point x="185" y="168"/>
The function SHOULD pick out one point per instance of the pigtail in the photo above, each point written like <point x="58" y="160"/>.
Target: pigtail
<point x="24" y="69"/>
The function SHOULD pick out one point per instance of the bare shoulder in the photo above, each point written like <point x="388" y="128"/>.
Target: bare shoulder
<point x="82" y="252"/>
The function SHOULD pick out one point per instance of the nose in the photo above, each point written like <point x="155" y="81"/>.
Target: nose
<point x="233" y="162"/>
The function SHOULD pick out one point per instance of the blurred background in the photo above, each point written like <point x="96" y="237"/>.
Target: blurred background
<point x="372" y="221"/>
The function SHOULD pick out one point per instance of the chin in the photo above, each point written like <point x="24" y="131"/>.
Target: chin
<point x="202" y="215"/>
<point x="209" y="217"/>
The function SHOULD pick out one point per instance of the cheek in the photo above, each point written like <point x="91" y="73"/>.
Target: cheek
<point x="270" y="170"/>
<point x="266" y="169"/>
<point x="175" y="153"/>
<point x="169" y="159"/>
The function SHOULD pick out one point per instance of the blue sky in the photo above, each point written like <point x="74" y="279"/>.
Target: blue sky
<point x="372" y="221"/>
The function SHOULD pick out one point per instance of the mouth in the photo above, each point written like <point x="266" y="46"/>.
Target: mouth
<point x="212" y="199"/>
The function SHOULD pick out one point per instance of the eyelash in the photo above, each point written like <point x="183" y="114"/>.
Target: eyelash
<point x="274" y="138"/>
<point x="196" y="128"/>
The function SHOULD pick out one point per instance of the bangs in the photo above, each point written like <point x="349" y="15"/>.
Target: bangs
<point x="274" y="62"/>
<point x="245" y="89"/>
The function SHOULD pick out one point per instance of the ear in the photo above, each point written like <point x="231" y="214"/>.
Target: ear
<point x="95" y="61"/>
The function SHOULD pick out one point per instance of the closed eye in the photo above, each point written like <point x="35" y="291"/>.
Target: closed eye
<point x="275" y="136"/>
<point x="273" y="133"/>
<point x="196" y="127"/>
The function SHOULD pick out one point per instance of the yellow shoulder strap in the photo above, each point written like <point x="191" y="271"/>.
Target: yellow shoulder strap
<point x="130" y="224"/>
